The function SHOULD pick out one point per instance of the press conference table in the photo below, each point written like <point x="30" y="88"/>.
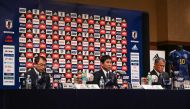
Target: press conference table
<point x="88" y="99"/>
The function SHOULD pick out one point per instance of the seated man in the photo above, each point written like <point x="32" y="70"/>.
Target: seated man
<point x="158" y="73"/>
<point x="109" y="77"/>
<point x="39" y="79"/>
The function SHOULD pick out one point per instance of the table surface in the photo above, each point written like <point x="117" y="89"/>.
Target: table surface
<point x="88" y="98"/>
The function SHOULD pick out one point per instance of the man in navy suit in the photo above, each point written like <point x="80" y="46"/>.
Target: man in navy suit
<point x="108" y="76"/>
<point x="158" y="72"/>
<point x="39" y="79"/>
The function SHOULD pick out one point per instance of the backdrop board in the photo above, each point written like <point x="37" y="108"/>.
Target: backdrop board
<point x="72" y="37"/>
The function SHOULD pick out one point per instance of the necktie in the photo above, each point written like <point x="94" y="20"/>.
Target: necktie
<point x="107" y="75"/>
<point x="161" y="79"/>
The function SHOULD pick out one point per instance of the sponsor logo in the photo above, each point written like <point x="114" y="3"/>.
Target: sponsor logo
<point x="22" y="59"/>
<point x="22" y="69"/>
<point x="134" y="35"/>
<point x="134" y="47"/>
<point x="68" y="75"/>
<point x="22" y="20"/>
<point x="68" y="56"/>
<point x="29" y="64"/>
<point x="29" y="45"/>
<point x="91" y="67"/>
<point x="68" y="66"/>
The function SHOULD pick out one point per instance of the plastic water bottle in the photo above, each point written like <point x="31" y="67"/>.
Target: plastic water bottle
<point x="149" y="78"/>
<point x="102" y="83"/>
<point x="28" y="82"/>
<point x="84" y="78"/>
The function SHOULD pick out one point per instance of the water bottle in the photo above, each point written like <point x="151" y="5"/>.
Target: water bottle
<point x="102" y="83"/>
<point x="149" y="78"/>
<point x="28" y="82"/>
<point x="84" y="78"/>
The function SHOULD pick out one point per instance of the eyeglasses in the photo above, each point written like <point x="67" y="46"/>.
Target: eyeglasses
<point x="42" y="65"/>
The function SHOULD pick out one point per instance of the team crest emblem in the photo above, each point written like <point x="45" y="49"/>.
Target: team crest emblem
<point x="9" y="24"/>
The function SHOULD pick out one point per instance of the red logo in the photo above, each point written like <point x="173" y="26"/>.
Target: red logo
<point x="68" y="75"/>
<point x="113" y="41"/>
<point x="114" y="68"/>
<point x="68" y="38"/>
<point x="42" y="17"/>
<point x="42" y="36"/>
<point x="29" y="64"/>
<point x="113" y="32"/>
<point x="102" y="49"/>
<point x="114" y="59"/>
<point x="91" y="67"/>
<point x="67" y="19"/>
<point x="29" y="55"/>
<point x="54" y="27"/>
<point x="91" y="30"/>
<point x="55" y="84"/>
<point x="79" y="75"/>
<point x="124" y="51"/>
<point x="67" y="28"/>
<point x="55" y="65"/>
<point x="68" y="47"/>
<point x="91" y="58"/>
<point x="124" y="33"/>
<point x="68" y="56"/>
<point x="80" y="66"/>
<point x="124" y="68"/>
<point x="29" y="35"/>
<point x="113" y="50"/>
<point x="91" y="48"/>
<point x="55" y="46"/>
<point x="102" y="40"/>
<point x="29" y="45"/>
<point x="43" y="46"/>
<point x="29" y="16"/>
<point x="102" y="31"/>
<point x="55" y="37"/>
<point x="42" y="26"/>
<point x="123" y="25"/>
<point x="79" y="48"/>
<point x="90" y="21"/>
<point x="113" y="24"/>
<point x="68" y="66"/>
<point x="102" y="22"/>
<point x="29" y="25"/>
<point x="55" y="56"/>
<point x="79" y="39"/>
<point x="124" y="42"/>
<point x="91" y="39"/>
<point x="79" y="20"/>
<point x="79" y="57"/>
<point x="124" y="59"/>
<point x="79" y="30"/>
<point x="55" y="18"/>
<point x="43" y="54"/>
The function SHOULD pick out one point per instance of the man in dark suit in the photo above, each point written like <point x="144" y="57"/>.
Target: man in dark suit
<point x="39" y="79"/>
<point x="109" y="77"/>
<point x="158" y="74"/>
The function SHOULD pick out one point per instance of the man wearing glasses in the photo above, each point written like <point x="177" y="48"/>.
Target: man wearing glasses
<point x="39" y="78"/>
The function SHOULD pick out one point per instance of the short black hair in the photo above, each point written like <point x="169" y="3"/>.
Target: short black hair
<point x="37" y="59"/>
<point x="159" y="59"/>
<point x="104" y="58"/>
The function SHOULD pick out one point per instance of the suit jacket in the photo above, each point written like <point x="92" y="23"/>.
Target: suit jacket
<point x="164" y="76"/>
<point x="109" y="82"/>
<point x="39" y="83"/>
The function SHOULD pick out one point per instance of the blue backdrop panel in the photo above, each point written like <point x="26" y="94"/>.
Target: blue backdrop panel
<point x="10" y="10"/>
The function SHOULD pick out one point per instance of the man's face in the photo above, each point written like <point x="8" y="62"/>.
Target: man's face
<point x="107" y="65"/>
<point x="159" y="67"/>
<point x="41" y="65"/>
